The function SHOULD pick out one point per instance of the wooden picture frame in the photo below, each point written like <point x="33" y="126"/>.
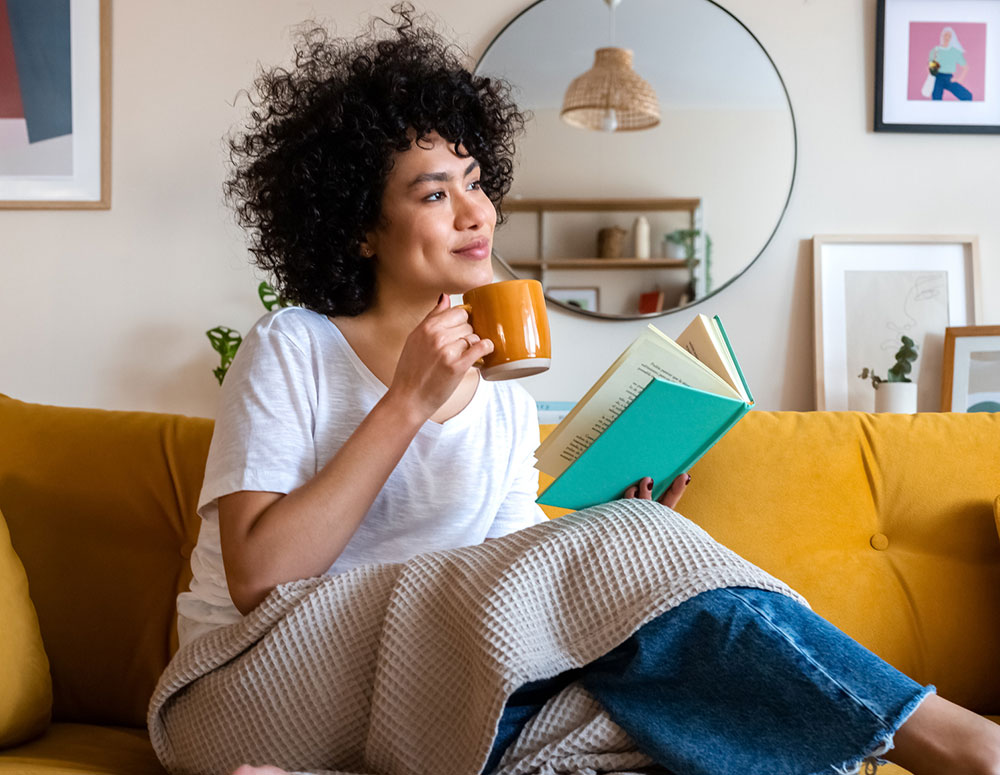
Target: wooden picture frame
<point x="586" y="298"/>
<point x="970" y="383"/>
<point x="55" y="72"/>
<point x="869" y="291"/>
<point x="916" y="93"/>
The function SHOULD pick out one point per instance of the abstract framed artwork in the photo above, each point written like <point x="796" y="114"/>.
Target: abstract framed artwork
<point x="872" y="290"/>
<point x="55" y="104"/>
<point x="581" y="298"/>
<point x="970" y="379"/>
<point x="935" y="66"/>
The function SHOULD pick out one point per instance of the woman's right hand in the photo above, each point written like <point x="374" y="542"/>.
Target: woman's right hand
<point x="437" y="355"/>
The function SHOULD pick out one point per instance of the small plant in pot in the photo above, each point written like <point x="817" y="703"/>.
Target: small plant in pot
<point x="680" y="243"/>
<point x="898" y="393"/>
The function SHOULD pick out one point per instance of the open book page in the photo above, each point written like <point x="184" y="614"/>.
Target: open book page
<point x="651" y="355"/>
<point x="704" y="342"/>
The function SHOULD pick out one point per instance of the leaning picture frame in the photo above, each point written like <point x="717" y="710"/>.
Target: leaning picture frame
<point x="970" y="377"/>
<point x="869" y="291"/>
<point x="934" y="61"/>
<point x="588" y="298"/>
<point x="55" y="105"/>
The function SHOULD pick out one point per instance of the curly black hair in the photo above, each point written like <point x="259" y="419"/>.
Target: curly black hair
<point x="309" y="168"/>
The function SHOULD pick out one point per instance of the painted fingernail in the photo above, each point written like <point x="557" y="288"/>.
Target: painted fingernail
<point x="440" y="298"/>
<point x="649" y="485"/>
<point x="688" y="479"/>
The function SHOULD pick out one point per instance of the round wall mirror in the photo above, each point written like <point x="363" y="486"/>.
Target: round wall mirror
<point x="619" y="222"/>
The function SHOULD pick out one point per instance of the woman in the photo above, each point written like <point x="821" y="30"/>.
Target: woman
<point x="947" y="64"/>
<point x="355" y="430"/>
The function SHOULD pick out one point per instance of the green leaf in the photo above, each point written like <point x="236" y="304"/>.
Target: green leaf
<point x="905" y="356"/>
<point x="225" y="341"/>
<point x="270" y="298"/>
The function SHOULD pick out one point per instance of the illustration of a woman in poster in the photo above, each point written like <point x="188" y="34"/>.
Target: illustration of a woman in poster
<point x="944" y="63"/>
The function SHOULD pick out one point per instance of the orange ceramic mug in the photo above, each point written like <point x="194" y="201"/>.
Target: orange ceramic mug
<point x="512" y="315"/>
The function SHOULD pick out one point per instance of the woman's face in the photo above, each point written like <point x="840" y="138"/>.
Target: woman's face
<point x="945" y="38"/>
<point x="432" y="209"/>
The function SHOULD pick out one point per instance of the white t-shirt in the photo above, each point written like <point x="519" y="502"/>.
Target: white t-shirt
<point x="293" y="395"/>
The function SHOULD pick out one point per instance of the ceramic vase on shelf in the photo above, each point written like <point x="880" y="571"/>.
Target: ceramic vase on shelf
<point x="896" y="397"/>
<point x="640" y="230"/>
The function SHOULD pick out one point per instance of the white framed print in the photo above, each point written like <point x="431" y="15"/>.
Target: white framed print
<point x="935" y="66"/>
<point x="970" y="381"/>
<point x="55" y="104"/>
<point x="870" y="291"/>
<point x="579" y="298"/>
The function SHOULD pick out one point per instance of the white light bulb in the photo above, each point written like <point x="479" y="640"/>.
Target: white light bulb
<point x="609" y="121"/>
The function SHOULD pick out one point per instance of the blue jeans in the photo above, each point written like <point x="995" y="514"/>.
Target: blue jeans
<point x="742" y="681"/>
<point x="943" y="82"/>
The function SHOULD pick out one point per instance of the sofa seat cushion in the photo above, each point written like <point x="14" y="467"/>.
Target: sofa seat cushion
<point x="84" y="748"/>
<point x="67" y="749"/>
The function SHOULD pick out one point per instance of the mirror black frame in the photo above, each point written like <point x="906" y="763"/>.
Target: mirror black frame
<point x="777" y="223"/>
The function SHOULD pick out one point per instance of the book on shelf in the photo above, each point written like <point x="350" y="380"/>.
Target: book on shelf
<point x="659" y="407"/>
<point x="651" y="301"/>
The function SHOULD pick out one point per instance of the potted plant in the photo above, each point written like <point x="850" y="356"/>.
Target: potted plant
<point x="898" y="393"/>
<point x="680" y="243"/>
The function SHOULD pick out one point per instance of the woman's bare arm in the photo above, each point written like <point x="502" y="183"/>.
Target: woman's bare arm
<point x="269" y="538"/>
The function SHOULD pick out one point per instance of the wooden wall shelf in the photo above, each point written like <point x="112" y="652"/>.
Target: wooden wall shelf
<point x="514" y="205"/>
<point x="598" y="263"/>
<point x="545" y="267"/>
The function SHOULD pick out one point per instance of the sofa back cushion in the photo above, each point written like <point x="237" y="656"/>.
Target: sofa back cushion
<point x="101" y="511"/>
<point x="25" y="683"/>
<point x="883" y="521"/>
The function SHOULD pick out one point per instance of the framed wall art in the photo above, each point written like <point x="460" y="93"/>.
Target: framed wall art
<point x="872" y="290"/>
<point x="581" y="298"/>
<point x="55" y="104"/>
<point x="970" y="378"/>
<point x="935" y="66"/>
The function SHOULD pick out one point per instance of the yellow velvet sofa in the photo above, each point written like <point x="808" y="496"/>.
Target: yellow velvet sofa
<point x="884" y="522"/>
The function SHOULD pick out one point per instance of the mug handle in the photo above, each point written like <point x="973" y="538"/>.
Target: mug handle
<point x="468" y="308"/>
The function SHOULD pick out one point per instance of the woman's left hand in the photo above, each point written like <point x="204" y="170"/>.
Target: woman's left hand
<point x="643" y="489"/>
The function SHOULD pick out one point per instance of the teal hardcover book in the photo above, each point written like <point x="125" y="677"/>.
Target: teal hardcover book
<point x="655" y="412"/>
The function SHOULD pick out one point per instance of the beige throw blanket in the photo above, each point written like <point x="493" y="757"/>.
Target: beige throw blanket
<point x="404" y="668"/>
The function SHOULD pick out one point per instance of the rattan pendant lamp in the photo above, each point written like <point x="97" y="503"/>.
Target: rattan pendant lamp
<point x="610" y="96"/>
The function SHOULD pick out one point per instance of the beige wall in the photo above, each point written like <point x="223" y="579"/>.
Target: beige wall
<point x="108" y="309"/>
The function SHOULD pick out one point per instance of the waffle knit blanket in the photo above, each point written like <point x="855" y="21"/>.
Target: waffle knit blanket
<point x="404" y="669"/>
